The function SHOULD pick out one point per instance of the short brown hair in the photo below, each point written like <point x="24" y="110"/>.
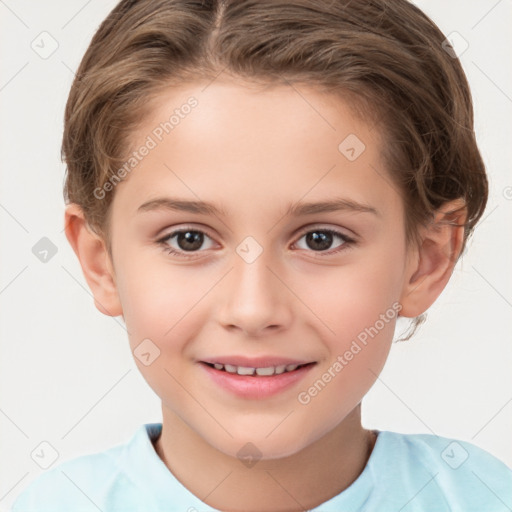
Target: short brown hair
<point x="386" y="55"/>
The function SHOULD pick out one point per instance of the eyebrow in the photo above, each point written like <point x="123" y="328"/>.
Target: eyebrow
<point x="295" y="209"/>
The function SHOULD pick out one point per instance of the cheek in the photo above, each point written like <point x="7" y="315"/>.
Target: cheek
<point x="359" y="305"/>
<point x="363" y="319"/>
<point x="349" y="298"/>
<point x="161" y="305"/>
<point x="164" y="303"/>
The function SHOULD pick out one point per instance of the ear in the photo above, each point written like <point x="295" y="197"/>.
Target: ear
<point x="431" y="265"/>
<point x="94" y="259"/>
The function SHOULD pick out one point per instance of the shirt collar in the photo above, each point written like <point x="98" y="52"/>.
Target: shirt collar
<point x="145" y="468"/>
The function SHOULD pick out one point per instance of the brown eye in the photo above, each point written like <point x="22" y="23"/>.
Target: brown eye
<point x="184" y="241"/>
<point x="321" y="240"/>
<point x="189" y="240"/>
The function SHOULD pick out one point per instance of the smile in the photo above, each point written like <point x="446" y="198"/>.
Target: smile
<point x="255" y="382"/>
<point x="262" y="372"/>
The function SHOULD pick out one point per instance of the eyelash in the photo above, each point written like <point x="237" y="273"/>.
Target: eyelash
<point x="348" y="242"/>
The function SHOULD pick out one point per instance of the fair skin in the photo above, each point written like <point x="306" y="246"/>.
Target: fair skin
<point x="253" y="153"/>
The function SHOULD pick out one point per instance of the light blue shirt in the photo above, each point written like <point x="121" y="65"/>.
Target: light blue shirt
<point x="405" y="473"/>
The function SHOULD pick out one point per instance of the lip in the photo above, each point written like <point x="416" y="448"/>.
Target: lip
<point x="256" y="387"/>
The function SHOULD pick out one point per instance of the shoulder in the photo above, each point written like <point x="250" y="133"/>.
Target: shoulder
<point x="458" y="473"/>
<point x="82" y="484"/>
<point x="63" y="486"/>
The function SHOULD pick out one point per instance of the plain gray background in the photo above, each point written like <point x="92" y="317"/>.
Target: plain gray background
<point x="67" y="374"/>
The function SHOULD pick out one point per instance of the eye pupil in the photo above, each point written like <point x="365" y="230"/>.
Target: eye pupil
<point x="321" y="240"/>
<point x="193" y="240"/>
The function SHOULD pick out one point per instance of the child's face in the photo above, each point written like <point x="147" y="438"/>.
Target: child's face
<point x="253" y="154"/>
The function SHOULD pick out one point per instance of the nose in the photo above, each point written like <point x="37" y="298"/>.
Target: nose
<point x="254" y="298"/>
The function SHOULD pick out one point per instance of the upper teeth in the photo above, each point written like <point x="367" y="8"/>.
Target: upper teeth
<point x="244" y="370"/>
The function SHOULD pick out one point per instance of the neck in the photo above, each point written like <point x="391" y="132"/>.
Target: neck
<point x="300" y="481"/>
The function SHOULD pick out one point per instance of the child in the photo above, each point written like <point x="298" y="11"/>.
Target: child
<point x="260" y="188"/>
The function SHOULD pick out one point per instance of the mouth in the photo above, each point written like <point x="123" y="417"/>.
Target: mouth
<point x="260" y="381"/>
<point x="253" y="371"/>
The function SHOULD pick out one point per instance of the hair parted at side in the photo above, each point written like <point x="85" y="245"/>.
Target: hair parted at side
<point x="385" y="56"/>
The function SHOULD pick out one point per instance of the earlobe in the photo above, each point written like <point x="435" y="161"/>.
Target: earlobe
<point x="94" y="259"/>
<point x="431" y="265"/>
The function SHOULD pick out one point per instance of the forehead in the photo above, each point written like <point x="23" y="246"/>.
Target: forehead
<point x="246" y="144"/>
